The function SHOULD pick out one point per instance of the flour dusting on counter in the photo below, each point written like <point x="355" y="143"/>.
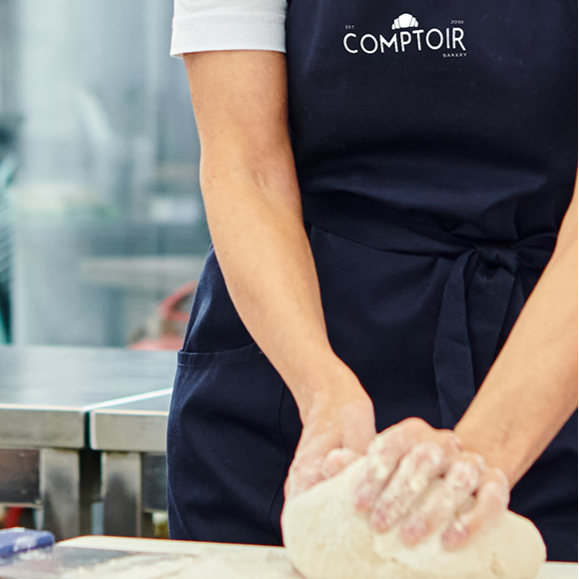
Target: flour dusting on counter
<point x="209" y="566"/>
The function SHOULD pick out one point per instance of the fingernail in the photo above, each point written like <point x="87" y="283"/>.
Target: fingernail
<point x="455" y="535"/>
<point x="414" y="531"/>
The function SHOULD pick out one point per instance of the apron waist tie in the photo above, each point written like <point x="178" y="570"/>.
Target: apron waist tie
<point x="482" y="280"/>
<point x="490" y="289"/>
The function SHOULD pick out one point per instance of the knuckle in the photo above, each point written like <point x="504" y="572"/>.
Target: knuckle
<point x="388" y="442"/>
<point x="476" y="460"/>
<point x="460" y="484"/>
<point x="377" y="446"/>
<point x="439" y="507"/>
<point x="497" y="475"/>
<point x="380" y="437"/>
<point x="428" y="453"/>
<point x="397" y="442"/>
<point x="334" y="454"/>
<point x="414" y="425"/>
<point x="365" y="473"/>
<point x="377" y="468"/>
<point x="464" y="474"/>
<point x="453" y="442"/>
<point x="496" y="494"/>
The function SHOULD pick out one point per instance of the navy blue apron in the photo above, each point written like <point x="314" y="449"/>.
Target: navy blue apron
<point x="435" y="143"/>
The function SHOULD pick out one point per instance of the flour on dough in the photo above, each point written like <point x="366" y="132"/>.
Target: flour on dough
<point x="326" y="539"/>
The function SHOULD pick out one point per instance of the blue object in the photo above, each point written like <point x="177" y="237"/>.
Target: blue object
<point x="18" y="539"/>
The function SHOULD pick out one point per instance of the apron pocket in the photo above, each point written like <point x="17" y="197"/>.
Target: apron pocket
<point x="227" y="458"/>
<point x="204" y="359"/>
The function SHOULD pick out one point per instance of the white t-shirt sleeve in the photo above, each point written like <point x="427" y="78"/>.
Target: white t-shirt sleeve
<point x="200" y="25"/>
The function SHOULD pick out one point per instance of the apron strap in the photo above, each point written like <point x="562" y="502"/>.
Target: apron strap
<point x="452" y="355"/>
<point x="481" y="280"/>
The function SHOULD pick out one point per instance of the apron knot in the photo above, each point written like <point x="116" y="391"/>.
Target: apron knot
<point x="498" y="256"/>
<point x="472" y="315"/>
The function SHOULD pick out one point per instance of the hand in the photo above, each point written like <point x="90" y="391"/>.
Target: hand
<point x="404" y="460"/>
<point x="337" y="429"/>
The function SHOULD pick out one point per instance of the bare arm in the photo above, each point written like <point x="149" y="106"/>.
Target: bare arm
<point x="254" y="213"/>
<point x="531" y="390"/>
<point x="528" y="395"/>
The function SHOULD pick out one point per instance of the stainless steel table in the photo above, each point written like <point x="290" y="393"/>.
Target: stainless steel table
<point x="131" y="438"/>
<point x="46" y="394"/>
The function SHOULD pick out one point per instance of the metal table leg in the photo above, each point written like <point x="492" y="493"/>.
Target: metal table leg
<point x="154" y="482"/>
<point x="60" y="484"/>
<point x="19" y="477"/>
<point x="123" y="496"/>
<point x="68" y="486"/>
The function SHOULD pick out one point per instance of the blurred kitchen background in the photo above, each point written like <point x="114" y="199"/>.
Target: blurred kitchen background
<point x="102" y="229"/>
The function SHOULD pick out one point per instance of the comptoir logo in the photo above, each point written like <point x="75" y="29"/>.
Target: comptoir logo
<point x="405" y="21"/>
<point x="403" y="39"/>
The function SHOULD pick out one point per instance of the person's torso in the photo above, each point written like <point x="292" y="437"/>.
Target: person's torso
<point x="460" y="112"/>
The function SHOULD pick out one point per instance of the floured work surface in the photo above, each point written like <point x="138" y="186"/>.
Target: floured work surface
<point x="129" y="558"/>
<point x="65" y="562"/>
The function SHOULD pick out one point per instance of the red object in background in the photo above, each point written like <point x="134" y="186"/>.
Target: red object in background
<point x="167" y="341"/>
<point x="169" y="308"/>
<point x="12" y="518"/>
<point x="170" y="317"/>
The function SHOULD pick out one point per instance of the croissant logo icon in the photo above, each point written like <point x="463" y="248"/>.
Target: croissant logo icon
<point x="405" y="21"/>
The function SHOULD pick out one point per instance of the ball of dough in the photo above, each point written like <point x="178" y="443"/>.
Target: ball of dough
<point x="326" y="538"/>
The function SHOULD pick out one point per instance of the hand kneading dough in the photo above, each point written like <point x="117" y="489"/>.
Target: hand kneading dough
<point x="326" y="539"/>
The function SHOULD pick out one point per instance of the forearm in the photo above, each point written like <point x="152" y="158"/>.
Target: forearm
<point x="531" y="390"/>
<point x="253" y="208"/>
<point x="265" y="256"/>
